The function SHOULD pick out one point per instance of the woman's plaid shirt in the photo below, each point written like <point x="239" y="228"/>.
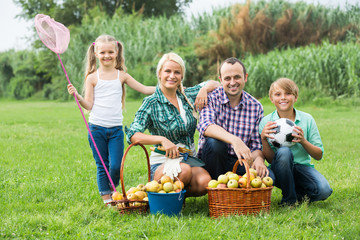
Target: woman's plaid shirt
<point x="162" y="118"/>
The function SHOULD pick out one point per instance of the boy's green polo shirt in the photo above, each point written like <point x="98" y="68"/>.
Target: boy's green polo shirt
<point x="311" y="133"/>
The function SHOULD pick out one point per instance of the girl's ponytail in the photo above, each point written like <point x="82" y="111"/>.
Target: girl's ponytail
<point x="120" y="65"/>
<point x="120" y="60"/>
<point x="90" y="62"/>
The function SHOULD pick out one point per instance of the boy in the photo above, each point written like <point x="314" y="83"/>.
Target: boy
<point x="291" y="167"/>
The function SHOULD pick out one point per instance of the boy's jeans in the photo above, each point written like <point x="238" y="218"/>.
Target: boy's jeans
<point x="110" y="143"/>
<point x="296" y="180"/>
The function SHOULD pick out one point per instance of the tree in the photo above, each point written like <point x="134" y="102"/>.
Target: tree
<point x="72" y="11"/>
<point x="6" y="71"/>
<point x="155" y="7"/>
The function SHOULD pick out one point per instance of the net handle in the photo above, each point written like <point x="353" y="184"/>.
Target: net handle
<point x="87" y="126"/>
<point x="39" y="29"/>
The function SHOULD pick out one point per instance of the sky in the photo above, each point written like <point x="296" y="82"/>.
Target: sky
<point x="16" y="31"/>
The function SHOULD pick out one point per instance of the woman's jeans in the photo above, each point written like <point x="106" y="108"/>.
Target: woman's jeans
<point x="296" y="180"/>
<point x="110" y="143"/>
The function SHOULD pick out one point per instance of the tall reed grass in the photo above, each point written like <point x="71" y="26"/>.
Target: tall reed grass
<point x="326" y="70"/>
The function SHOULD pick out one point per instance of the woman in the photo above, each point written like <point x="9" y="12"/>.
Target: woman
<point x="169" y="115"/>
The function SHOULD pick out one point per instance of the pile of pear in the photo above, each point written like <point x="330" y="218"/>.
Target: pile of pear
<point x="233" y="180"/>
<point x="138" y="195"/>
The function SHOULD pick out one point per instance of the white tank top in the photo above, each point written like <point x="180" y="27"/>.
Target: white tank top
<point x="107" y="108"/>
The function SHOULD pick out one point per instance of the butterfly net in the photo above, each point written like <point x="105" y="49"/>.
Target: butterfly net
<point x="53" y="34"/>
<point x="56" y="37"/>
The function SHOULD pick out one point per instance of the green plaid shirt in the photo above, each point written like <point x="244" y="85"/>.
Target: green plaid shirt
<point x="162" y="118"/>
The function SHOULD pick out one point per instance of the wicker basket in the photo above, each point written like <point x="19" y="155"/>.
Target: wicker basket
<point x="238" y="201"/>
<point x="132" y="206"/>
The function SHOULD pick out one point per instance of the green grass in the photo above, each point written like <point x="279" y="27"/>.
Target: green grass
<point x="48" y="184"/>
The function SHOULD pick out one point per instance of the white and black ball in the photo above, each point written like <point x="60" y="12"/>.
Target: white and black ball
<point x="283" y="135"/>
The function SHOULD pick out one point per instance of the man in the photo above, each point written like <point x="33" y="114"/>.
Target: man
<point x="229" y="124"/>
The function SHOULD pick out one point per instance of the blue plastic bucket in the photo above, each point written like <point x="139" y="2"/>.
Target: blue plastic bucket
<point x="166" y="203"/>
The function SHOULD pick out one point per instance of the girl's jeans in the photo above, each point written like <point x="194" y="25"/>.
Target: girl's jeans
<point x="110" y="143"/>
<point x="296" y="180"/>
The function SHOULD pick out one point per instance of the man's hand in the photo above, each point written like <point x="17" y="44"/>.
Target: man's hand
<point x="242" y="151"/>
<point x="260" y="167"/>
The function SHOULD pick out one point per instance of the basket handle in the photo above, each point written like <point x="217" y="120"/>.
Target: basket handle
<point x="241" y="162"/>
<point x="122" y="165"/>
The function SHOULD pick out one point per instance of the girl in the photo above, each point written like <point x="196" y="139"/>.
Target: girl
<point x="104" y="97"/>
<point x="168" y="115"/>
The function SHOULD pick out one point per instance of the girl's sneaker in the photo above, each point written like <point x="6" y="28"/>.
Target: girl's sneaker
<point x="109" y="202"/>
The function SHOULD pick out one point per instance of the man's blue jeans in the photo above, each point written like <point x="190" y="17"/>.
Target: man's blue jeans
<point x="216" y="158"/>
<point x="296" y="180"/>
<point x="110" y="143"/>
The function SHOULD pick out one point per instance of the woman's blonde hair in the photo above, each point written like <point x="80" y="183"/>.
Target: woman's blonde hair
<point x="175" y="58"/>
<point x="286" y="84"/>
<point x="90" y="65"/>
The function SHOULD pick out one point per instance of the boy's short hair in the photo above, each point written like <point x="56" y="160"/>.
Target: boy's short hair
<point x="284" y="83"/>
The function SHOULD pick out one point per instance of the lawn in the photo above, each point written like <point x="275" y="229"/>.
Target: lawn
<point x="48" y="184"/>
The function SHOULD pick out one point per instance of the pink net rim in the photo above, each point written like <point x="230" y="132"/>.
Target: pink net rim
<point x="54" y="35"/>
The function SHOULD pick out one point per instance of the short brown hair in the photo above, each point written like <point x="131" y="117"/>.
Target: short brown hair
<point x="286" y="84"/>
<point x="232" y="61"/>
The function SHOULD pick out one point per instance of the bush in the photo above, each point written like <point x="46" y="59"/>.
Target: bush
<point x="260" y="27"/>
<point x="6" y="72"/>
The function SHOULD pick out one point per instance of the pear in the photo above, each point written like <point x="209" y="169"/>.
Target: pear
<point x="152" y="186"/>
<point x="165" y="179"/>
<point x="168" y="187"/>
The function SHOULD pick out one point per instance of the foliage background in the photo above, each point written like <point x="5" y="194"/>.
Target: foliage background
<point x="315" y="45"/>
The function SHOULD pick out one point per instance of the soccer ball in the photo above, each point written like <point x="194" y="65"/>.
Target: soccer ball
<point x="283" y="135"/>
